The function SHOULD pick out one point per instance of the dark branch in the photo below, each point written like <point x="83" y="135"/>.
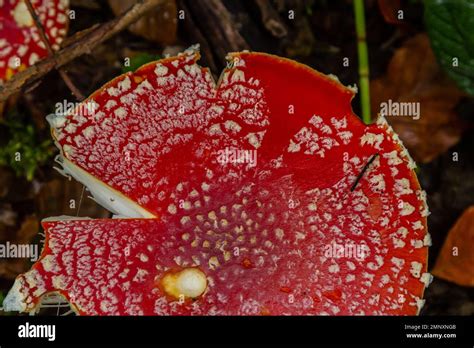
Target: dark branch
<point x="361" y="174"/>
<point x="75" y="91"/>
<point x="271" y="20"/>
<point x="77" y="48"/>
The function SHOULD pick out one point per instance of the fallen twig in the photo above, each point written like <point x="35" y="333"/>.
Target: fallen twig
<point x="217" y="26"/>
<point x="363" y="60"/>
<point x="77" y="48"/>
<point x="197" y="36"/>
<point x="271" y="20"/>
<point x="75" y="91"/>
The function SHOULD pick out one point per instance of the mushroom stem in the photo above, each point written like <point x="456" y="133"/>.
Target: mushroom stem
<point x="363" y="60"/>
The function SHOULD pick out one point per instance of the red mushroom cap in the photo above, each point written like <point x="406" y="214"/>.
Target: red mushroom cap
<point x="249" y="190"/>
<point x="20" y="42"/>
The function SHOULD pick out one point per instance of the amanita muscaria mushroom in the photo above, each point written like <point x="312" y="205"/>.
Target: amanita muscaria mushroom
<point x="233" y="198"/>
<point x="20" y="41"/>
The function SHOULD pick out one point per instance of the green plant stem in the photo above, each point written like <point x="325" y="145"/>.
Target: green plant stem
<point x="363" y="60"/>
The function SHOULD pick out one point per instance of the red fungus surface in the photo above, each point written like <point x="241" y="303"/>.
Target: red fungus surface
<point x="249" y="183"/>
<point x="20" y="41"/>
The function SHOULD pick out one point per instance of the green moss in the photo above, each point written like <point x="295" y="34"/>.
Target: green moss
<point x="22" y="149"/>
<point x="138" y="60"/>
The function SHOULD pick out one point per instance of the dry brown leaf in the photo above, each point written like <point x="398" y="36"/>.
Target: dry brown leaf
<point x="2" y="108"/>
<point x="10" y="268"/>
<point x="8" y="220"/>
<point x="456" y="259"/>
<point x="159" y="25"/>
<point x="389" y="10"/>
<point x="413" y="75"/>
<point x="28" y="230"/>
<point x="6" y="180"/>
